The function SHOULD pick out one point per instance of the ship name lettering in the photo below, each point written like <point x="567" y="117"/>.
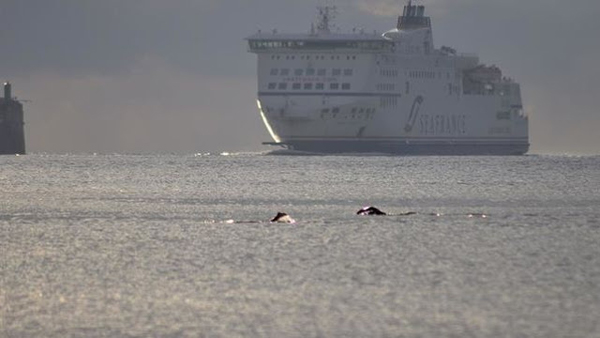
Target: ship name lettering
<point x="442" y="124"/>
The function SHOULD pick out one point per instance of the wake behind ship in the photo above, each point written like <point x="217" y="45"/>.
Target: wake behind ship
<point x="331" y="92"/>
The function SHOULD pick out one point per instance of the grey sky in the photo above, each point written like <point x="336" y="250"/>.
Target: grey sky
<point x="174" y="76"/>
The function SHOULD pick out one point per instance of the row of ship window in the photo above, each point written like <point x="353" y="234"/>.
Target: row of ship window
<point x="309" y="57"/>
<point x="350" y="72"/>
<point x="346" y="86"/>
<point x="388" y="102"/>
<point x="311" y="72"/>
<point x="426" y="75"/>
<point x="388" y="73"/>
<point x="412" y="74"/>
<point x="385" y="87"/>
<point x="308" y="86"/>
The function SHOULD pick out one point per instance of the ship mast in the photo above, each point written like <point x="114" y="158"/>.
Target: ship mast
<point x="325" y="18"/>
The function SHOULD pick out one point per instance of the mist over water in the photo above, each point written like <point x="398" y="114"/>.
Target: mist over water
<point x="181" y="246"/>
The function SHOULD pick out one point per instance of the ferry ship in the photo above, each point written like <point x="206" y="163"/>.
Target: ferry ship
<point x="360" y="92"/>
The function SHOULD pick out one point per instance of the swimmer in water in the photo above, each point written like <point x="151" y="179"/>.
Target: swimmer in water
<point x="370" y="211"/>
<point x="282" y="217"/>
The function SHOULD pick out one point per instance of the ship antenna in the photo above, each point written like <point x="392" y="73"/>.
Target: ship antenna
<point x="326" y="16"/>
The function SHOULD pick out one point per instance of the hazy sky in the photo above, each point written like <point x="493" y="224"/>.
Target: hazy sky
<point x="175" y="76"/>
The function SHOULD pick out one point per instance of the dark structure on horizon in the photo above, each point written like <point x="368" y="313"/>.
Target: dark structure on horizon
<point x="12" y="134"/>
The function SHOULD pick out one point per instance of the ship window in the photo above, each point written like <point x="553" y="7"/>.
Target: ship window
<point x="298" y="72"/>
<point x="385" y="87"/>
<point x="297" y="85"/>
<point x="320" y="86"/>
<point x="407" y="89"/>
<point x="282" y="85"/>
<point x="336" y="72"/>
<point x="308" y="86"/>
<point x="334" y="86"/>
<point x="345" y="86"/>
<point x="274" y="71"/>
<point x="284" y="72"/>
<point x="322" y="72"/>
<point x="272" y="85"/>
<point x="335" y="110"/>
<point x="348" y="72"/>
<point x="310" y="72"/>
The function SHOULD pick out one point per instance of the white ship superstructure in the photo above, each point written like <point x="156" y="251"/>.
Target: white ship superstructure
<point x="392" y="93"/>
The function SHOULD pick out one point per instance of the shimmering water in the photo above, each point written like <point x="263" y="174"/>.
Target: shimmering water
<point x="181" y="246"/>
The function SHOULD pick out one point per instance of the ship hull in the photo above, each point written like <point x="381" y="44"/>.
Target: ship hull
<point x="414" y="125"/>
<point x="407" y="148"/>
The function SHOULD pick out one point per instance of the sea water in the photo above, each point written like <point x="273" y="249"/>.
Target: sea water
<point x="182" y="246"/>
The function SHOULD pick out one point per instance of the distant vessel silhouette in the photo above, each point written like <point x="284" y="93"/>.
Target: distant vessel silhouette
<point x="12" y="135"/>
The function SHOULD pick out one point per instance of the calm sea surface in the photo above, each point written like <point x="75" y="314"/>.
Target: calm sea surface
<point x="181" y="246"/>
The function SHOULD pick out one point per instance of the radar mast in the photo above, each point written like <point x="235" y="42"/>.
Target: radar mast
<point x="325" y="18"/>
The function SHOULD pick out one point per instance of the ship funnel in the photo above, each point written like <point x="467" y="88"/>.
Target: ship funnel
<point x="413" y="17"/>
<point x="7" y="91"/>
